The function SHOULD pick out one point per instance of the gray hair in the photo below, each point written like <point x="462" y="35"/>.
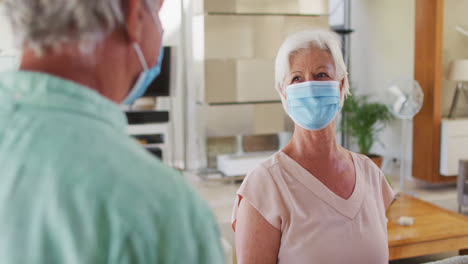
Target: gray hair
<point x="304" y="40"/>
<point x="40" y="24"/>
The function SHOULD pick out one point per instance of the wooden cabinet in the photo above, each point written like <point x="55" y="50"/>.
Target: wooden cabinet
<point x="428" y="72"/>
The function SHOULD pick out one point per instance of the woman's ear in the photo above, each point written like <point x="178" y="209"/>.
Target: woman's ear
<point x="134" y="20"/>
<point x="284" y="100"/>
<point x="283" y="91"/>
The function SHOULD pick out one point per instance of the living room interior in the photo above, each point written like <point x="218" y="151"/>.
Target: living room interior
<point x="214" y="113"/>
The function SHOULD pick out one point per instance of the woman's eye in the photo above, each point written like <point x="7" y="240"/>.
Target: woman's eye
<point x="296" y="79"/>
<point x="322" y="75"/>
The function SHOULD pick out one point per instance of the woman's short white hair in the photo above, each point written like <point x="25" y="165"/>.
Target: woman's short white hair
<point x="40" y="24"/>
<point x="303" y="41"/>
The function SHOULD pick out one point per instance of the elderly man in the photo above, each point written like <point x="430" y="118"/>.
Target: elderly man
<point x="74" y="188"/>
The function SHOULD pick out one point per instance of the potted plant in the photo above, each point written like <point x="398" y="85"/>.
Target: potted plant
<point x="363" y="120"/>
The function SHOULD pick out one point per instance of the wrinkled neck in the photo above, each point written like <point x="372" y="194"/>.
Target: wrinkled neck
<point x="66" y="66"/>
<point x="318" y="145"/>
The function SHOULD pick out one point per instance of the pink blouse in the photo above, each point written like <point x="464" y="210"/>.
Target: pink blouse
<point x="318" y="226"/>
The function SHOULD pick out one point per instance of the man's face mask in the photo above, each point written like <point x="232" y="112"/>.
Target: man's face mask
<point x="148" y="75"/>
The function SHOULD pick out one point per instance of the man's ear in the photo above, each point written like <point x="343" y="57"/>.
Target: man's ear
<point x="134" y="20"/>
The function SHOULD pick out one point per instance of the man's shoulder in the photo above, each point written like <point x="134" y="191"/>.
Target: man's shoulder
<point x="103" y="165"/>
<point x="117" y="158"/>
<point x="99" y="157"/>
<point x="136" y="186"/>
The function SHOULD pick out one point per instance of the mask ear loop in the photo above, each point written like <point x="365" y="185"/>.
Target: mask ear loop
<point x="284" y="102"/>
<point x="141" y="76"/>
<point x="140" y="56"/>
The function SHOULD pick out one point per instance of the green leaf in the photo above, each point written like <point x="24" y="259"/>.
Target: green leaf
<point x="363" y="120"/>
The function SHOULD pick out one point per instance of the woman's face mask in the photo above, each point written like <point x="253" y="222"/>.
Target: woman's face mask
<point x="148" y="75"/>
<point x="313" y="105"/>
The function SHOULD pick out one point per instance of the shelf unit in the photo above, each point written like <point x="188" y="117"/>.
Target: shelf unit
<point x="234" y="48"/>
<point x="151" y="129"/>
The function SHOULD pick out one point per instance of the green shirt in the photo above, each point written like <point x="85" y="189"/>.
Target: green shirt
<point x="75" y="188"/>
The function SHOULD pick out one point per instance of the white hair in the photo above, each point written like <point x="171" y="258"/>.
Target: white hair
<point x="304" y="41"/>
<point x="40" y="24"/>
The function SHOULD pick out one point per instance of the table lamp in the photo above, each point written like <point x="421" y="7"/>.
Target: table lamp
<point x="458" y="71"/>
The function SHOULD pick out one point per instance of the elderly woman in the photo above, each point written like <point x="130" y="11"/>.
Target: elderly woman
<point x="74" y="187"/>
<point x="313" y="201"/>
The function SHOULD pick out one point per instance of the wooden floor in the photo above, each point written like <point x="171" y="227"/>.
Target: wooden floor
<point x="434" y="230"/>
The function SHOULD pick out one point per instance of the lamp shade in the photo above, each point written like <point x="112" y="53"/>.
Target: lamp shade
<point x="458" y="70"/>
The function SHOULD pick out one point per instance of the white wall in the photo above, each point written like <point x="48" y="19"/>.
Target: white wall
<point x="172" y="23"/>
<point x="6" y="40"/>
<point x="382" y="48"/>
<point x="8" y="58"/>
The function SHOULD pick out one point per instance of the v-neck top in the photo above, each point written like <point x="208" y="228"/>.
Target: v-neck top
<point x="318" y="226"/>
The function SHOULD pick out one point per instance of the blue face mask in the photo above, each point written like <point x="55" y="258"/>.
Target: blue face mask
<point x="147" y="76"/>
<point x="313" y="105"/>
